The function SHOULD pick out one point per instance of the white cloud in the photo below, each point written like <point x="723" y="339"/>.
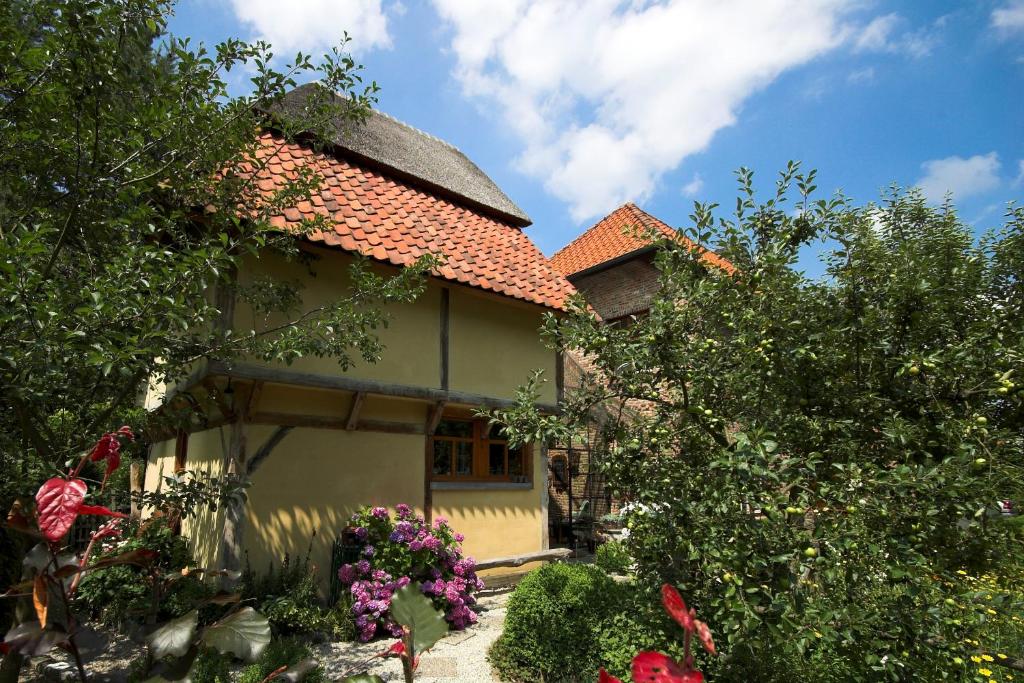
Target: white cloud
<point x="607" y="96"/>
<point x="962" y="177"/>
<point x="882" y="35"/>
<point x="693" y="188"/>
<point x="1009" y="17"/>
<point x="315" y="26"/>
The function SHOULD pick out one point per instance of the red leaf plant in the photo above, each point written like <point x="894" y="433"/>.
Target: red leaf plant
<point x="60" y="500"/>
<point x="655" y="667"/>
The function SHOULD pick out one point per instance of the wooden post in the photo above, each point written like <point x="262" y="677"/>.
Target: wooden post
<point x="353" y="413"/>
<point x="445" y="323"/>
<point x="234" y="467"/>
<point x="428" y="472"/>
<point x="545" y="540"/>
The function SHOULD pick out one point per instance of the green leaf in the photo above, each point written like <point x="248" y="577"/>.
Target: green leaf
<point x="412" y="609"/>
<point x="244" y="633"/>
<point x="175" y="637"/>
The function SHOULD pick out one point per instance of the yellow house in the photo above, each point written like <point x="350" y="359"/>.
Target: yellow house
<point x="318" y="443"/>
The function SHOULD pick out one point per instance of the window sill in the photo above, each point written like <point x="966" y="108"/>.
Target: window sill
<point x="480" y="486"/>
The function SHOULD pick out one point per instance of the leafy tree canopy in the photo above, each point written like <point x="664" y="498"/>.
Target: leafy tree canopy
<point x="818" y="458"/>
<point x="123" y="159"/>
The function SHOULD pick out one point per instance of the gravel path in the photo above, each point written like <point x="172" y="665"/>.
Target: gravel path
<point x="460" y="656"/>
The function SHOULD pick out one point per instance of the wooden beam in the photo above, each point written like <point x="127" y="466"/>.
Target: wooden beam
<point x="434" y="418"/>
<point x="353" y="413"/>
<point x="328" y="422"/>
<point x="266" y="449"/>
<point x="254" y="399"/>
<point x="428" y="472"/>
<point x="247" y="371"/>
<point x="560" y="377"/>
<point x="525" y="558"/>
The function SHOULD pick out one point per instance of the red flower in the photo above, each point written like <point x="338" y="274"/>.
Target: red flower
<point x="676" y="608"/>
<point x="654" y="667"/>
<point x="58" y="501"/>
<point x="605" y="677"/>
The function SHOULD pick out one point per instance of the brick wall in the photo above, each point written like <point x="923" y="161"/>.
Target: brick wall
<point x="623" y="289"/>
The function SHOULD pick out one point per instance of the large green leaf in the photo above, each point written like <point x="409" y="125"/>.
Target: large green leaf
<point x="244" y="633"/>
<point x="175" y="637"/>
<point x="410" y="608"/>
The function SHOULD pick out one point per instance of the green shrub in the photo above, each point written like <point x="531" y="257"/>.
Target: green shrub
<point x="211" y="667"/>
<point x="613" y="557"/>
<point x="552" y="629"/>
<point x="280" y="652"/>
<point x="344" y="627"/>
<point x="287" y="596"/>
<point x="123" y="592"/>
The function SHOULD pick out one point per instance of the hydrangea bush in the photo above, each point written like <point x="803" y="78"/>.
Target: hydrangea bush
<point x="396" y="551"/>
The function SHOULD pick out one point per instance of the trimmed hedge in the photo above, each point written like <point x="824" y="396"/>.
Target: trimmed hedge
<point x="553" y="626"/>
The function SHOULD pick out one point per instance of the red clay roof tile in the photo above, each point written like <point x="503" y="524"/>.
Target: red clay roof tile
<point x="386" y="219"/>
<point x="617" y="234"/>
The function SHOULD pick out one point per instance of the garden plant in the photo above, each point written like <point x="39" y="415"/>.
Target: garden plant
<point x="125" y="154"/>
<point x="398" y="551"/>
<point x="820" y="459"/>
<point x="52" y="576"/>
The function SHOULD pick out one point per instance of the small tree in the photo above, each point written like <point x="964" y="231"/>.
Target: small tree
<point x="819" y="457"/>
<point x="114" y="228"/>
<point x="124" y="160"/>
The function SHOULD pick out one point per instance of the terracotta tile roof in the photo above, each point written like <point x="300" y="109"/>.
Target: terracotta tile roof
<point x="395" y="146"/>
<point x="392" y="221"/>
<point x="617" y="234"/>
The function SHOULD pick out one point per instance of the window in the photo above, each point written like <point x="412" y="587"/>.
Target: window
<point x="471" y="450"/>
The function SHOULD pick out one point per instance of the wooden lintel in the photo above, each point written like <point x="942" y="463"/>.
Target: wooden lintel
<point x="328" y="422"/>
<point x="248" y="371"/>
<point x="435" y="417"/>
<point x="353" y="413"/>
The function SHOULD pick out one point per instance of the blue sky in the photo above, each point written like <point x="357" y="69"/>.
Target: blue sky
<point x="575" y="106"/>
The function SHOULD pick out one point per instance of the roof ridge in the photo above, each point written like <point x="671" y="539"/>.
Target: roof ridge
<point x="414" y="129"/>
<point x="611" y="238"/>
<point x="583" y="234"/>
<point x="388" y="142"/>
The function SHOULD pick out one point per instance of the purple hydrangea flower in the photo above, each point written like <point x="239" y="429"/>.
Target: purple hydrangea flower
<point x="369" y="551"/>
<point x="362" y="533"/>
<point x="379" y="512"/>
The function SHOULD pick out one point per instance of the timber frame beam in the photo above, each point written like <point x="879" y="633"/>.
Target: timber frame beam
<point x="259" y="373"/>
